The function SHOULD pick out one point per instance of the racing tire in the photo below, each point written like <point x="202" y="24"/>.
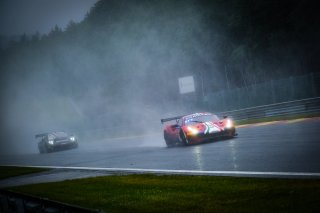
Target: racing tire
<point x="168" y="141"/>
<point x="184" y="139"/>
<point x="232" y="133"/>
<point x="43" y="149"/>
<point x="49" y="150"/>
<point x="169" y="145"/>
<point x="75" y="146"/>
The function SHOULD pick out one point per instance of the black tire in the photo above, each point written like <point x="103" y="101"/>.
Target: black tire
<point x="232" y="133"/>
<point x="184" y="139"/>
<point x="49" y="150"/>
<point x="43" y="149"/>
<point x="169" y="145"/>
<point x="168" y="141"/>
<point x="76" y="145"/>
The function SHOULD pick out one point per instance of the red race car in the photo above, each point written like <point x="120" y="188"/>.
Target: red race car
<point x="197" y="128"/>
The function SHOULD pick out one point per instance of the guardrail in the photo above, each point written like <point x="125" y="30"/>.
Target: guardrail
<point x="310" y="105"/>
<point x="20" y="203"/>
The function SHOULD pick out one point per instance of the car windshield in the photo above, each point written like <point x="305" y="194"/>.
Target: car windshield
<point x="60" y="134"/>
<point x="200" y="119"/>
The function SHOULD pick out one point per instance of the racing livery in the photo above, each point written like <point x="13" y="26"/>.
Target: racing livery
<point x="54" y="141"/>
<point x="197" y="128"/>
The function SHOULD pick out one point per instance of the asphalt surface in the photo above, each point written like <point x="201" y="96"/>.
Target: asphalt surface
<point x="285" y="146"/>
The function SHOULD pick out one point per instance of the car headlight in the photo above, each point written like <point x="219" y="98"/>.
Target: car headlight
<point x="50" y="142"/>
<point x="72" y="138"/>
<point x="193" y="130"/>
<point x="229" y="124"/>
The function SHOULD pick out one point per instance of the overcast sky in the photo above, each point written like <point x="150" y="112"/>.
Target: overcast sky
<point x="29" y="16"/>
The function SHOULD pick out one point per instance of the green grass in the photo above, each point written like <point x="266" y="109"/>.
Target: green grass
<point x="152" y="193"/>
<point x="11" y="171"/>
<point x="277" y="118"/>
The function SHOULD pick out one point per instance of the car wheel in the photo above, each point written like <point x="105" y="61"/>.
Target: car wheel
<point x="48" y="150"/>
<point x="169" y="145"/>
<point x="168" y="141"/>
<point x="184" y="139"/>
<point x="76" y="145"/>
<point x="43" y="149"/>
<point x="232" y="134"/>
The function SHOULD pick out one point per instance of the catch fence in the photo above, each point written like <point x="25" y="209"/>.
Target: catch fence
<point x="274" y="91"/>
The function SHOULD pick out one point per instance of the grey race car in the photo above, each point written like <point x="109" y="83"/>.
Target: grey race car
<point x="55" y="141"/>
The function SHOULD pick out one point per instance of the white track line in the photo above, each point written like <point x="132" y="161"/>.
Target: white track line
<point x="184" y="172"/>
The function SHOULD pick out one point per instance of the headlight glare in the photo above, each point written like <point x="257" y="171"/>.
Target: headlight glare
<point x="229" y="124"/>
<point x="72" y="138"/>
<point x="50" y="142"/>
<point x="193" y="130"/>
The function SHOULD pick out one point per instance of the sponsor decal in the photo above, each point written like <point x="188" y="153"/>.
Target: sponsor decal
<point x="195" y="115"/>
<point x="211" y="128"/>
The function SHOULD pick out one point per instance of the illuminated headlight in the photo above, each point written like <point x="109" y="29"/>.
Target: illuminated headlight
<point x="193" y="130"/>
<point x="229" y="124"/>
<point x="50" y="142"/>
<point x="72" y="138"/>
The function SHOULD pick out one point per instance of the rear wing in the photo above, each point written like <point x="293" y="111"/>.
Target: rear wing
<point x="171" y="119"/>
<point x="41" y="135"/>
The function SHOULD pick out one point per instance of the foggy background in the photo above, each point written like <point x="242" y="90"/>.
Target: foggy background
<point x="116" y="72"/>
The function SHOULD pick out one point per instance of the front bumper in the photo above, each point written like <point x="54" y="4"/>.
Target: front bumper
<point x="62" y="145"/>
<point x="202" y="137"/>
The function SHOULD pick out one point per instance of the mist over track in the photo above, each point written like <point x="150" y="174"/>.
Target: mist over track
<point x="285" y="146"/>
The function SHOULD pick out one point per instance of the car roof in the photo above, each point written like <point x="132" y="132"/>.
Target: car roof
<point x="60" y="133"/>
<point x="195" y="115"/>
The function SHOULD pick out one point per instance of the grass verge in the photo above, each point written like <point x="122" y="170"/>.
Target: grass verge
<point x="173" y="193"/>
<point x="12" y="171"/>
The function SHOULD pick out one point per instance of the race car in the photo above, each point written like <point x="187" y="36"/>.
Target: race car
<point x="197" y="128"/>
<point x="55" y="141"/>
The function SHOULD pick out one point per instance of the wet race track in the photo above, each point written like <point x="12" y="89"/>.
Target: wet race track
<point x="285" y="146"/>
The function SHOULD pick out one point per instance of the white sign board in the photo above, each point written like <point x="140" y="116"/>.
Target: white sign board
<point x="186" y="84"/>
